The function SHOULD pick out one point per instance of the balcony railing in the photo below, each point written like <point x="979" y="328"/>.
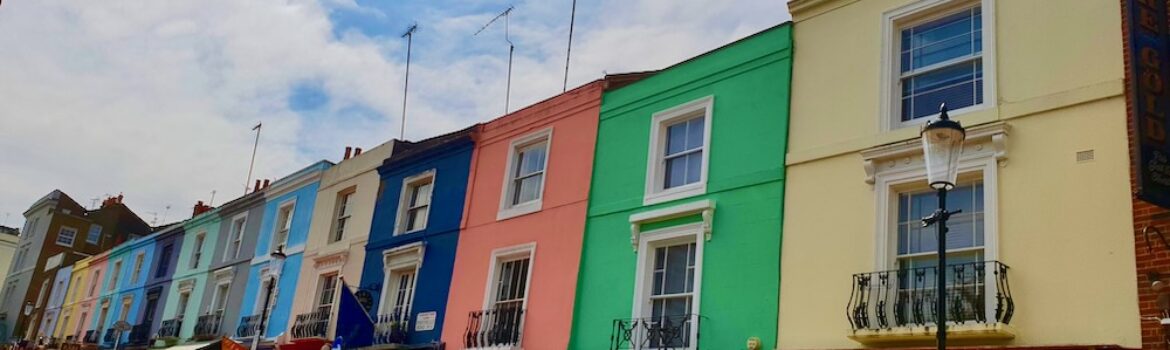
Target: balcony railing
<point x="662" y="332"/>
<point x="208" y="326"/>
<point x="91" y="337"/>
<point x="391" y="329"/>
<point x="110" y="335"/>
<point x="170" y="328"/>
<point x="494" y="328"/>
<point x="249" y="325"/>
<point x="311" y="325"/>
<point x="977" y="292"/>
<point x="139" y="334"/>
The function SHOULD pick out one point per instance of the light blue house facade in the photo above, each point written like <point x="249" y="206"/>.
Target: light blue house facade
<point x="285" y="225"/>
<point x="128" y="270"/>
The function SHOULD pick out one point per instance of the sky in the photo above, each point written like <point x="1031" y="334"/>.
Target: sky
<point x="156" y="100"/>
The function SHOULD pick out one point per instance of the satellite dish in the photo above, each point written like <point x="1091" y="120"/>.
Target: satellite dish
<point x="122" y="326"/>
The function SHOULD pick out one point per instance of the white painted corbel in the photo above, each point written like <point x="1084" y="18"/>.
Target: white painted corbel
<point x="999" y="141"/>
<point x="870" y="170"/>
<point x="634" y="232"/>
<point x="708" y="216"/>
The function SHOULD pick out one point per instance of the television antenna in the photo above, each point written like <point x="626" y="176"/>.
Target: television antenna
<point x="511" y="51"/>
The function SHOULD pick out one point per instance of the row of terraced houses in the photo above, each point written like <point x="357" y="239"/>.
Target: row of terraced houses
<point x="764" y="195"/>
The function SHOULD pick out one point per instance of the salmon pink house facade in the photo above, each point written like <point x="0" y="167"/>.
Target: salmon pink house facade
<point x="520" y="241"/>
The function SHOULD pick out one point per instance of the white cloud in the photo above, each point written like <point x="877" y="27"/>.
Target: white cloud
<point x="156" y="99"/>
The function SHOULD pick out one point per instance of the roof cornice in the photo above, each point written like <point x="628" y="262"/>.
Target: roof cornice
<point x="804" y="9"/>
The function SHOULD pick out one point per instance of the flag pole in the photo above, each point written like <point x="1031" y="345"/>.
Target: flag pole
<point x="255" y="146"/>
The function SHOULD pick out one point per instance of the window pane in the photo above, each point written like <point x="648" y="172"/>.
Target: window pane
<point x="695" y="133"/>
<point x="957" y="86"/>
<point x="676" y="269"/>
<point x="694" y="167"/>
<point x="676" y="138"/>
<point x="531" y="159"/>
<point x="676" y="172"/>
<point x="942" y="39"/>
<point x="528" y="189"/>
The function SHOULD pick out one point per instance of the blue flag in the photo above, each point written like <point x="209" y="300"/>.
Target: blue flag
<point x="353" y="323"/>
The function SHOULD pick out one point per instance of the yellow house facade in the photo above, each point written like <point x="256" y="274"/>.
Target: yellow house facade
<point x="1042" y="253"/>
<point x="336" y="246"/>
<point x="76" y="303"/>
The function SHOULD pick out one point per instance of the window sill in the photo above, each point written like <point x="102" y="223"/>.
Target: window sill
<point x="519" y="210"/>
<point x="674" y="193"/>
<point x="968" y="333"/>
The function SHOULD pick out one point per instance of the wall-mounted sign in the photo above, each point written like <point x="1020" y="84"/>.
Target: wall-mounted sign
<point x="1148" y="72"/>
<point x="424" y="321"/>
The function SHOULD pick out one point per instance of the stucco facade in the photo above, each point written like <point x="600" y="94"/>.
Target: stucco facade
<point x="1046" y="150"/>
<point x="689" y="247"/>
<point x="544" y="229"/>
<point x="335" y="247"/>
<point x="222" y="287"/>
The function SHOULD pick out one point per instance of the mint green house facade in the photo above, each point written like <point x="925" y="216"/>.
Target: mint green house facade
<point x="683" y="232"/>
<point x="191" y="271"/>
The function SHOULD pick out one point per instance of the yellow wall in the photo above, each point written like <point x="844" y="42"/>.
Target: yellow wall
<point x="1064" y="227"/>
<point x="73" y="296"/>
<point x="359" y="173"/>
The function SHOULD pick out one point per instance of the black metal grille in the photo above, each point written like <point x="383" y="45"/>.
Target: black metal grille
<point x="249" y="325"/>
<point x="109" y="338"/>
<point x="391" y="329"/>
<point x="311" y="325"/>
<point x="91" y="337"/>
<point x="663" y="332"/>
<point x="139" y="334"/>
<point x="495" y="327"/>
<point x="208" y="326"/>
<point x="907" y="297"/>
<point x="170" y="328"/>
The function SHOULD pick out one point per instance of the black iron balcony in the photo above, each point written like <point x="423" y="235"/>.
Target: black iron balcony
<point x="494" y="327"/>
<point x="249" y="326"/>
<point x="391" y="329"/>
<point x="110" y="336"/>
<point x="139" y="334"/>
<point x="170" y="328"/>
<point x="311" y="325"/>
<point x="208" y="326"/>
<point x="91" y="337"/>
<point x="977" y="292"/>
<point x="662" y="332"/>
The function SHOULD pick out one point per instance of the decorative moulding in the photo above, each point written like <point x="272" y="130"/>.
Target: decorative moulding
<point x="981" y="139"/>
<point x="704" y="207"/>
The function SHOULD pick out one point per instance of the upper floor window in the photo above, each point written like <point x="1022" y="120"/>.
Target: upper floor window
<point x="66" y="236"/>
<point x="114" y="272"/>
<point x="236" y="237"/>
<point x="415" y="202"/>
<point x="164" y="261"/>
<point x="679" y="149"/>
<point x="284" y="218"/>
<point x="524" y="178"/>
<point x="197" y="251"/>
<point x="342" y="215"/>
<point x="94" y="235"/>
<point x="938" y="53"/>
<point x="138" y="261"/>
<point x="97" y="277"/>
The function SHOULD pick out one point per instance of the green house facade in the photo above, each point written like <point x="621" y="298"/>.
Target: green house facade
<point x="683" y="233"/>
<point x="182" y="305"/>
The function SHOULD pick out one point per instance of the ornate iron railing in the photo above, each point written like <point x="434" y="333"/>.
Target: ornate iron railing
<point x="391" y="329"/>
<point x="170" y="328"/>
<point x="662" y="332"/>
<point x="249" y="326"/>
<point x="139" y="334"/>
<point x="311" y="325"/>
<point x="977" y="292"/>
<point x="91" y="337"/>
<point x="208" y="326"/>
<point x="494" y="327"/>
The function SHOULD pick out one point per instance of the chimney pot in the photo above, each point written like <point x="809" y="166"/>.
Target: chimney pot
<point x="257" y="187"/>
<point x="348" y="150"/>
<point x="357" y="151"/>
<point x="265" y="183"/>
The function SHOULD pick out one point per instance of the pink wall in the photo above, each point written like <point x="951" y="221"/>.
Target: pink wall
<point x="556" y="230"/>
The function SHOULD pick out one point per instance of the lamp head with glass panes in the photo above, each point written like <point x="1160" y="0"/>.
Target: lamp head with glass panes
<point x="942" y="143"/>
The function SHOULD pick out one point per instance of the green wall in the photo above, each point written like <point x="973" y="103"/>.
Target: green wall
<point x="208" y="222"/>
<point x="749" y="80"/>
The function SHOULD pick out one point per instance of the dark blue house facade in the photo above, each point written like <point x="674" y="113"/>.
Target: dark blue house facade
<point x="411" y="250"/>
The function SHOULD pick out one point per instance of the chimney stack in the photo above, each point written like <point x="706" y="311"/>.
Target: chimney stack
<point x="200" y="208"/>
<point x="348" y="149"/>
<point x="257" y="187"/>
<point x="357" y="151"/>
<point x="265" y="183"/>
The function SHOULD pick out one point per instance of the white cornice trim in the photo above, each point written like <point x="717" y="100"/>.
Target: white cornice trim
<point x="995" y="134"/>
<point x="706" y="207"/>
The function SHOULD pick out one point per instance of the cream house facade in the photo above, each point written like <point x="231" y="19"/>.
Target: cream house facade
<point x="1042" y="254"/>
<point x="335" y="248"/>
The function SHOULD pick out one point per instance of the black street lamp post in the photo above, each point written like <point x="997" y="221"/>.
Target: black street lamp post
<point x="277" y="264"/>
<point x="942" y="143"/>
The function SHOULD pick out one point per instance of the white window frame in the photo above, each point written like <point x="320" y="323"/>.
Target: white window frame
<point x="42" y="294"/>
<point x="508" y="190"/>
<point x="655" y="161"/>
<point x="127" y="304"/>
<point x="99" y="234"/>
<point x="139" y="261"/>
<point x="236" y="238"/>
<point x="197" y="252"/>
<point x="500" y="256"/>
<point x="181" y="305"/>
<point x="291" y="204"/>
<point x="61" y="233"/>
<point x="643" y="286"/>
<point x="336" y="275"/>
<point x="115" y="273"/>
<point x="343" y="213"/>
<point x="915" y="13"/>
<point x="402" y="258"/>
<point x="215" y="297"/>
<point x="260" y="291"/>
<point x="404" y="200"/>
